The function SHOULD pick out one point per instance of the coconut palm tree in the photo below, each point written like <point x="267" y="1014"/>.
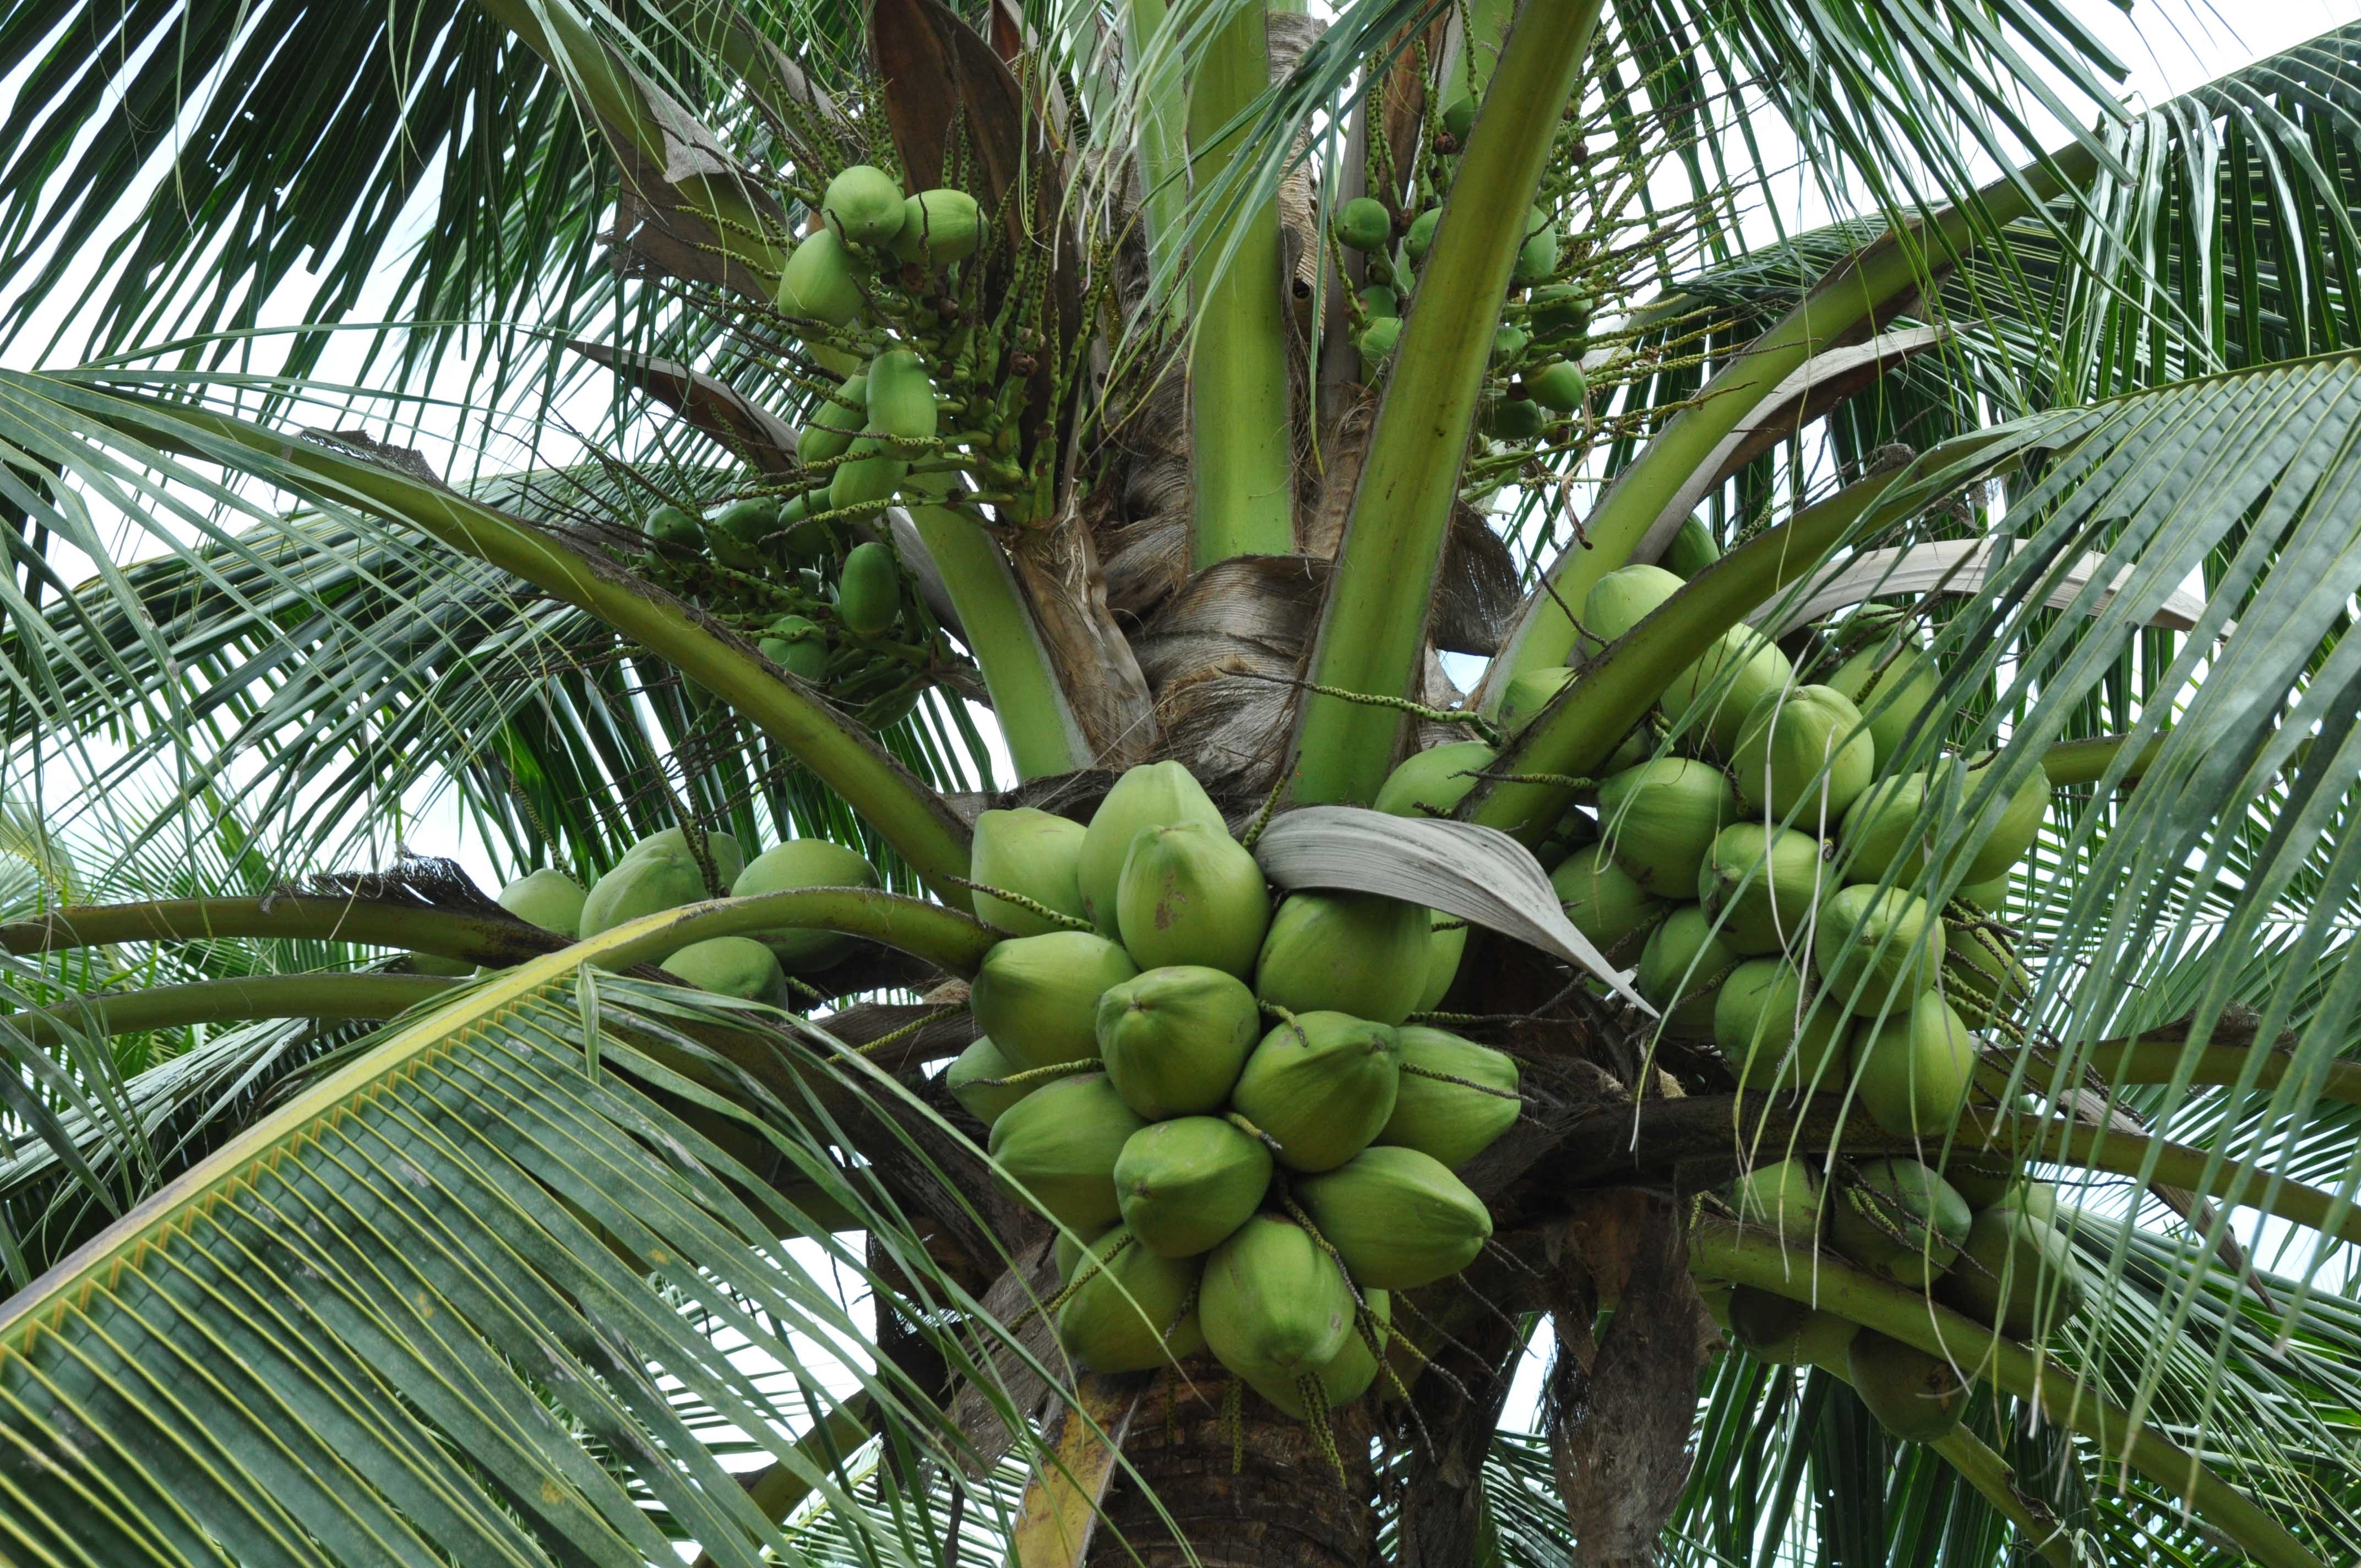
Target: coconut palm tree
<point x="1196" y="383"/>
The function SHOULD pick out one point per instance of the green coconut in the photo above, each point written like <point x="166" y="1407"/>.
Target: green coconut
<point x="2016" y="1272"/>
<point x="669" y="524"/>
<point x="642" y="884"/>
<point x="1274" y="1306"/>
<point x="1454" y="1098"/>
<point x="1192" y="895"/>
<point x="731" y="965"/>
<point x="1446" y="945"/>
<point x="797" y="645"/>
<point x="1624" y="597"/>
<point x="1606" y="903"/>
<point x="1135" y="1311"/>
<point x="974" y="1078"/>
<point x="1981" y="967"/>
<point x="1912" y="1072"/>
<point x="1187" y="1183"/>
<point x="1876" y="949"/>
<point x="1661" y="818"/>
<point x="2011" y="839"/>
<point x="1985" y="1180"/>
<point x="1991" y="895"/>
<point x="1348" y="1375"/>
<point x="1397" y="1217"/>
<point x="1558" y="386"/>
<point x="1725" y="682"/>
<point x="941" y="225"/>
<point x="548" y="899"/>
<point x="721" y="849"/>
<point x="1916" y="1396"/>
<point x="800" y="863"/>
<point x="1901" y="1221"/>
<point x="1421" y="234"/>
<point x="1681" y="969"/>
<point x="1344" y="952"/>
<point x="818" y="282"/>
<point x="1434" y="782"/>
<point x="1376" y="341"/>
<point x="1772" y="1326"/>
<point x="1069" y="1251"/>
<point x="1760" y="882"/>
<point x="1692" y="549"/>
<point x="1030" y="853"/>
<point x="1891" y="686"/>
<point x="1802" y="757"/>
<point x="836" y="421"/>
<point x="1525" y="698"/>
<point x="1175" y="1038"/>
<point x="1153" y="795"/>
<point x="1379" y="301"/>
<point x="1363" y="223"/>
<point x="2038" y="1198"/>
<point x="1560" y="310"/>
<point x="1775" y="1036"/>
<point x="1883" y="835"/>
<point x="1783" y="1198"/>
<point x="863" y="204"/>
<point x="1060" y="1145"/>
<point x="1321" y="1086"/>
<point x="1037" y="997"/>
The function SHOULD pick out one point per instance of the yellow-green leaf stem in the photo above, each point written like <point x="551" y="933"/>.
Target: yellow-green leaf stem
<point x="1242" y="441"/>
<point x="913" y="818"/>
<point x="474" y="938"/>
<point x="1989" y="1474"/>
<point x="1163" y="146"/>
<point x="2164" y="1057"/>
<point x="1373" y="626"/>
<point x="2071" y="762"/>
<point x="1718" y="1250"/>
<point x="235" y="1000"/>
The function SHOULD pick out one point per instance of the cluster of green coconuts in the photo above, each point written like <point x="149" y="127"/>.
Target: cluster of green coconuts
<point x="1757" y="876"/>
<point x="1220" y="1097"/>
<point x="1535" y="376"/>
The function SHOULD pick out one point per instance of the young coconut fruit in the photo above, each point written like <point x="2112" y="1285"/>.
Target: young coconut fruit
<point x="1397" y="1217"/>
<point x="1692" y="549"/>
<point x="1783" y="1198"/>
<point x="1772" y="1326"/>
<point x="1876" y="949"/>
<point x="976" y="1079"/>
<point x="1776" y="1037"/>
<point x="2016" y="1272"/>
<point x="731" y="965"/>
<point x="1060" y="1145"/>
<point x="941" y="225"/>
<point x="1916" y="1396"/>
<point x="2009" y="838"/>
<point x="1153" y="795"/>
<point x="1803" y="757"/>
<point x="1192" y="895"/>
<point x="1760" y="882"/>
<point x="1681" y="969"/>
<point x="1344" y="952"/>
<point x="1454" y="1098"/>
<point x="836" y="421"/>
<point x="1985" y="1181"/>
<point x="1132" y="1312"/>
<point x="1175" y="1038"/>
<point x="1912" y="1072"/>
<point x="1661" y="818"/>
<point x="1363" y="223"/>
<point x="1030" y="853"/>
<point x="1446" y="945"/>
<point x="1901" y="1221"/>
<point x="721" y="849"/>
<point x="1187" y="1183"/>
<point x="1624" y="597"/>
<point x="1606" y="903"/>
<point x="1347" y="1376"/>
<point x="1274" y="1306"/>
<point x="819" y="284"/>
<point x="797" y="863"/>
<point x="1434" y="782"/>
<point x="1891" y="685"/>
<point x="642" y="884"/>
<point x="863" y="204"/>
<point x="1724" y="684"/>
<point x="1037" y="997"/>
<point x="1322" y="1085"/>
<point x="549" y="899"/>
<point x="1883" y="834"/>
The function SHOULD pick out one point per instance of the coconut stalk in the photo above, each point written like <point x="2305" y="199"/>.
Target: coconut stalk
<point x="1242" y="459"/>
<point x="1373" y="626"/>
<point x="1163" y="146"/>
<point x="239" y="1000"/>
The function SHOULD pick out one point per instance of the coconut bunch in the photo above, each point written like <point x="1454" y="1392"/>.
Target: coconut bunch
<point x="1979" y="1237"/>
<point x="1222" y="1100"/>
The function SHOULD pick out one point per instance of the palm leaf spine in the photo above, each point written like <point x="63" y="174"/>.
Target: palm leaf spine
<point x="288" y="916"/>
<point x="1241" y="455"/>
<point x="778" y="1489"/>
<point x="1719" y="1250"/>
<point x="242" y="1000"/>
<point x="2071" y="762"/>
<point x="2162" y="1061"/>
<point x="1989" y="1474"/>
<point x="1163" y="148"/>
<point x="1373" y="624"/>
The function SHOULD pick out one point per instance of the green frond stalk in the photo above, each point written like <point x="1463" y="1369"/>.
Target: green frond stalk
<point x="240" y="1000"/>
<point x="1163" y="146"/>
<point x="948" y="938"/>
<point x="2072" y="762"/>
<point x="285" y="916"/>
<point x="1990" y="1475"/>
<point x="1373" y="626"/>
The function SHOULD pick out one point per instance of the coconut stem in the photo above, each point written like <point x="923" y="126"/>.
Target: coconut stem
<point x="1262" y="818"/>
<point x="1467" y="716"/>
<point x="1315" y="1417"/>
<point x="1234" y="1426"/>
<point x="1033" y="1075"/>
<point x="1462" y="1082"/>
<point x="908" y="1029"/>
<point x="1250" y="1130"/>
<point x="1058" y="918"/>
<point x="1284" y="1017"/>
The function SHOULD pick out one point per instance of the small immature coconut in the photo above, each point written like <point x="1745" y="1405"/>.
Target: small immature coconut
<point x="1772" y="1326"/>
<point x="1902" y="1222"/>
<point x="974" y="1080"/>
<point x="1692" y="550"/>
<point x="1134" y="1312"/>
<point x="1891" y="686"/>
<point x="1724" y="684"/>
<point x="1760" y="882"/>
<point x="804" y="862"/>
<point x="1912" y="1073"/>
<point x="1322" y="1087"/>
<point x="1434" y="782"/>
<point x="1274" y="1306"/>
<point x="1783" y="1199"/>
<point x="1605" y="903"/>
<point x="1624" y="597"/>
<point x="1916" y="1396"/>
<point x="549" y="899"/>
<point x="1175" y="1038"/>
<point x="1344" y="952"/>
<point x="1558" y="386"/>
<point x="1153" y="795"/>
<point x="818" y="282"/>
<point x="1681" y="969"/>
<point x="1347" y="1376"/>
<point x="1984" y="1179"/>
<point x="731" y="965"/>
<point x="1528" y="694"/>
<point x="1187" y="1183"/>
<point x="1028" y="852"/>
<point x="941" y="225"/>
<point x="1446" y="945"/>
<point x="1660" y="818"/>
<point x="1192" y="895"/>
<point x="863" y="204"/>
<point x="1802" y="757"/>
<point x="2016" y="1272"/>
<point x="1882" y="833"/>
<point x="1060" y="1145"/>
<point x="1456" y="1096"/>
<point x="1363" y="223"/>
<point x="1775" y="1036"/>
<point x="1037" y="997"/>
<point x="1876" y="949"/>
<point x="1398" y="1218"/>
